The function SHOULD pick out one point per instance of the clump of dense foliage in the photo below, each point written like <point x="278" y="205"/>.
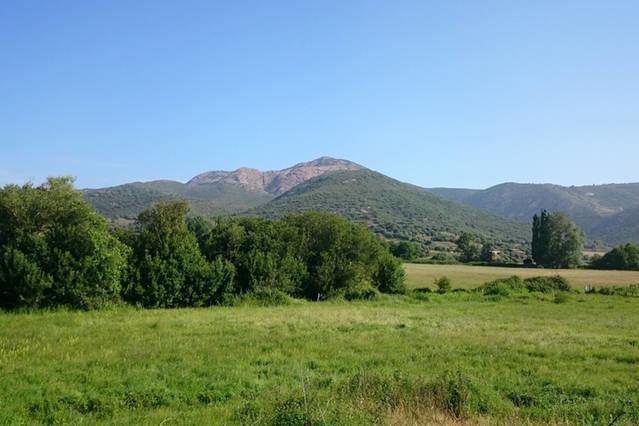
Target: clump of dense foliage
<point x="625" y="258"/>
<point x="443" y="285"/>
<point x="405" y="250"/>
<point x="626" y="291"/>
<point x="309" y="255"/>
<point x="557" y="242"/>
<point x="166" y="268"/>
<point x="55" y="250"/>
<point x="514" y="284"/>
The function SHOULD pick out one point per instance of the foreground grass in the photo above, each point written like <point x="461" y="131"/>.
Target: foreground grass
<point x="451" y="359"/>
<point x="465" y="276"/>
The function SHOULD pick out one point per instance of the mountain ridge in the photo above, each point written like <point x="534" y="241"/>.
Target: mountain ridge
<point x="600" y="210"/>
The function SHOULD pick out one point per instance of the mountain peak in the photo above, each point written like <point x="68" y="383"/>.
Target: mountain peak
<point x="275" y="182"/>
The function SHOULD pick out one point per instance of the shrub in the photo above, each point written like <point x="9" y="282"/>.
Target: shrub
<point x="502" y="287"/>
<point x="167" y="268"/>
<point x="624" y="257"/>
<point x="361" y="292"/>
<point x="547" y="284"/>
<point x="443" y="285"/>
<point x="390" y="276"/>
<point x="261" y="297"/>
<point x="626" y="291"/>
<point x="55" y="250"/>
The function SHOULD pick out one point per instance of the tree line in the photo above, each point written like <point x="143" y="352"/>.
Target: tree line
<point x="56" y="250"/>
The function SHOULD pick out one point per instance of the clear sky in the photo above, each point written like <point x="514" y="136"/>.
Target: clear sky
<point x="436" y="93"/>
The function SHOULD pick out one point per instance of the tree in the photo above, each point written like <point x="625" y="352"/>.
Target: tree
<point x="487" y="253"/>
<point x="468" y="247"/>
<point x="557" y="241"/>
<point x="405" y="250"/>
<point x="625" y="257"/>
<point x="390" y="276"/>
<point x="167" y="268"/>
<point x="55" y="250"/>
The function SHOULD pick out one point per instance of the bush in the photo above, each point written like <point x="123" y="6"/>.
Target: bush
<point x="547" y="284"/>
<point x="404" y="250"/>
<point x="362" y="292"/>
<point x="624" y="257"/>
<point x="55" y="250"/>
<point x="443" y="285"/>
<point x="627" y="291"/>
<point x="261" y="297"/>
<point x="390" y="276"/>
<point x="167" y="268"/>
<point x="502" y="287"/>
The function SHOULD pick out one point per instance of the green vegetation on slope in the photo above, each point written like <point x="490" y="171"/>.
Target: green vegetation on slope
<point x="393" y="209"/>
<point x="606" y="213"/>
<point x="127" y="201"/>
<point x="454" y="358"/>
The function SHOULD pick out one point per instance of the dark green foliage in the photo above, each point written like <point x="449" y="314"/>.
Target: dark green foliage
<point x="443" y="285"/>
<point x="312" y="255"/>
<point x="389" y="276"/>
<point x="468" y="247"/>
<point x="393" y="209"/>
<point x="626" y="291"/>
<point x="502" y="287"/>
<point x="487" y="253"/>
<point x="557" y="242"/>
<point x="55" y="250"/>
<point x="166" y="266"/>
<point x="514" y="284"/>
<point x="547" y="284"/>
<point x="405" y="250"/>
<point x="624" y="257"/>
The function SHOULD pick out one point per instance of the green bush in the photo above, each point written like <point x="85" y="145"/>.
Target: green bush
<point x="443" y="285"/>
<point x="167" y="269"/>
<point x="361" y="292"/>
<point x="547" y="284"/>
<point x="624" y="257"/>
<point x="390" y="276"/>
<point x="55" y="250"/>
<point x="502" y="287"/>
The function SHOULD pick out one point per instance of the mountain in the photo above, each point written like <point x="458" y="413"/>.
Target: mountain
<point x="127" y="201"/>
<point x="393" y="209"/>
<point x="275" y="182"/>
<point x="607" y="213"/>
<point x="211" y="193"/>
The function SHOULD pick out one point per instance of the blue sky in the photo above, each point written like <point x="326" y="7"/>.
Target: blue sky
<point x="446" y="93"/>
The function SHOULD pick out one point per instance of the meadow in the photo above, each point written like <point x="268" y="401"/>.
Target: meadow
<point x="457" y="358"/>
<point x="466" y="276"/>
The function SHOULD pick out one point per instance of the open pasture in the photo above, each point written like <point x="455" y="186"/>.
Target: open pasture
<point x="450" y="359"/>
<point x="465" y="276"/>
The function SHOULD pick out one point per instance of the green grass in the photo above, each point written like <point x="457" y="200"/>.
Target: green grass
<point x="464" y="276"/>
<point x="450" y="358"/>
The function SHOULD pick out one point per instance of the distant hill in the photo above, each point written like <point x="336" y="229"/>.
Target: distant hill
<point x="275" y="182"/>
<point x="211" y="193"/>
<point x="607" y="213"/>
<point x="127" y="201"/>
<point x="391" y="208"/>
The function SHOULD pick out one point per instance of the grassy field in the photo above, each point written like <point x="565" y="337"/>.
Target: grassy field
<point x="465" y="276"/>
<point x="448" y="359"/>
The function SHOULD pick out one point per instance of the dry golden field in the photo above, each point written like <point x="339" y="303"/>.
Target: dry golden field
<point x="465" y="276"/>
